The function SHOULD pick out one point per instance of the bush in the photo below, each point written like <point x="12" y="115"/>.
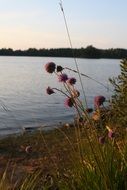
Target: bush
<point x="119" y="99"/>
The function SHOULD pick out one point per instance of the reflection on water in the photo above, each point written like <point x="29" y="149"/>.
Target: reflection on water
<point x="23" y="81"/>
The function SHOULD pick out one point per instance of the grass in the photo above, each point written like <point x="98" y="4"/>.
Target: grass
<point x="50" y="151"/>
<point x="56" y="162"/>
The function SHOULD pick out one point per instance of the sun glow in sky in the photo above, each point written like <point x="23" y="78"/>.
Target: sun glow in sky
<point x="40" y="24"/>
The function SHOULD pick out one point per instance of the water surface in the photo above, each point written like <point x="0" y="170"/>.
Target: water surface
<point x="23" y="80"/>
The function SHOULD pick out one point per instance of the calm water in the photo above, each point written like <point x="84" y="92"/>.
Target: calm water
<point x="23" y="80"/>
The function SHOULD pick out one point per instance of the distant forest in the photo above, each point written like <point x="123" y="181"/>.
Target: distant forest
<point x="88" y="52"/>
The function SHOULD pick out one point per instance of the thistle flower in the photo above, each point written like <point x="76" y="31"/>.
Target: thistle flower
<point x="111" y="134"/>
<point x="69" y="102"/>
<point x="49" y="91"/>
<point x="99" y="100"/>
<point x="50" y="67"/>
<point x="59" y="68"/>
<point x="71" y="81"/>
<point x="63" y="77"/>
<point x="102" y="140"/>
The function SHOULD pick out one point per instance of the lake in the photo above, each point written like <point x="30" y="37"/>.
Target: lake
<point x="23" y="98"/>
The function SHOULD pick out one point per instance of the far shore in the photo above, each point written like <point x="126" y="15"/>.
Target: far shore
<point x="89" y="52"/>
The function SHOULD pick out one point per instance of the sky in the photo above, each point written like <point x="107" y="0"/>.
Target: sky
<point x="39" y="23"/>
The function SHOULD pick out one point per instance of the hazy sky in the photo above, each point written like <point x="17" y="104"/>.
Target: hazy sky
<point x="39" y="23"/>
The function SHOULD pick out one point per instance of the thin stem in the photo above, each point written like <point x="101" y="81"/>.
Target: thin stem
<point x="61" y="92"/>
<point x="70" y="42"/>
<point x="55" y="165"/>
<point x="89" y="78"/>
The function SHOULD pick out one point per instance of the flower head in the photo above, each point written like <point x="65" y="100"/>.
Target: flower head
<point x="102" y="140"/>
<point x="59" y="68"/>
<point x="99" y="100"/>
<point x="63" y="77"/>
<point x="111" y="134"/>
<point x="49" y="91"/>
<point x="71" y="81"/>
<point x="69" y="102"/>
<point x="50" y="67"/>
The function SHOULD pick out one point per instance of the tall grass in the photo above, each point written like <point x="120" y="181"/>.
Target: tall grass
<point x="102" y="150"/>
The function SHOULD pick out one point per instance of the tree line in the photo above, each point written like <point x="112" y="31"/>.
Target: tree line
<point x="88" y="52"/>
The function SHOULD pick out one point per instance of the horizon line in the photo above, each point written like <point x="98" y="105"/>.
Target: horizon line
<point x="61" y="48"/>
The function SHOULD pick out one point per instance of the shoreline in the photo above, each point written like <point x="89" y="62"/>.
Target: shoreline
<point x="59" y="57"/>
<point x="30" y="129"/>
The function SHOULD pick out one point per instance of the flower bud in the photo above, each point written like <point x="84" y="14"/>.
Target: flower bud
<point x="50" y="67"/>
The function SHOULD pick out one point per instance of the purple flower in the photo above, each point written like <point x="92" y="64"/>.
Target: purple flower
<point x="49" y="91"/>
<point x="111" y="134"/>
<point x="63" y="77"/>
<point x="102" y="140"/>
<point x="71" y="81"/>
<point x="50" y="67"/>
<point x="99" y="100"/>
<point x="59" y="68"/>
<point x="69" y="102"/>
